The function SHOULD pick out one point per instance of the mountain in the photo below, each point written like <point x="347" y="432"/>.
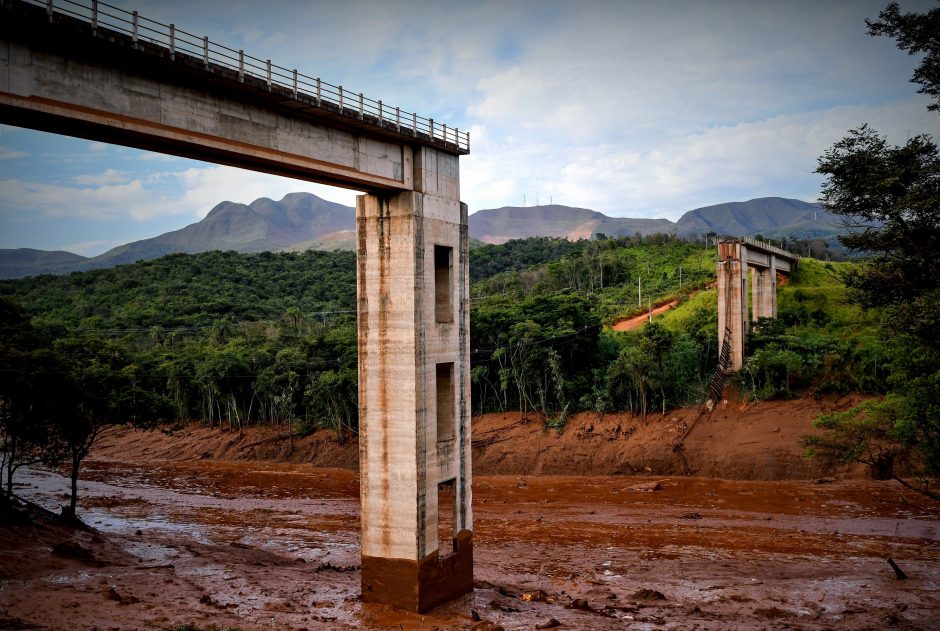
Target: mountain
<point x="499" y="225"/>
<point x="27" y="262"/>
<point x="262" y="225"/>
<point x="302" y="221"/>
<point x="769" y="216"/>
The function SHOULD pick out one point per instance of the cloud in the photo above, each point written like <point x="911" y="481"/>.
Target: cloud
<point x="7" y="153"/>
<point x="768" y="157"/>
<point x="105" y="202"/>
<point x="191" y="193"/>
<point x="205" y="187"/>
<point x="109" y="176"/>
<point x="98" y="147"/>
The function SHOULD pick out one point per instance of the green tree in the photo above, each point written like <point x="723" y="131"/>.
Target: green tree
<point x="890" y="195"/>
<point x="106" y="391"/>
<point x="32" y="384"/>
<point x="915" y="33"/>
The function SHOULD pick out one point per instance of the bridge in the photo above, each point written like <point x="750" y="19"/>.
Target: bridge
<point x="765" y="262"/>
<point x="88" y="69"/>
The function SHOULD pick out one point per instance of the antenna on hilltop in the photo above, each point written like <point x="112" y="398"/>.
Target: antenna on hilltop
<point x="523" y="201"/>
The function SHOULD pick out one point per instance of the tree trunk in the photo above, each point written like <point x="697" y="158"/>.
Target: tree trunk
<point x="73" y="499"/>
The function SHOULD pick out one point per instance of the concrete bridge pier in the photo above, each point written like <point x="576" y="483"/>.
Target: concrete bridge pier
<point x="735" y="259"/>
<point x="414" y="390"/>
<point x="732" y="308"/>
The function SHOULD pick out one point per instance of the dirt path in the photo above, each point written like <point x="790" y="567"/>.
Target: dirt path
<point x="630" y="324"/>
<point x="263" y="546"/>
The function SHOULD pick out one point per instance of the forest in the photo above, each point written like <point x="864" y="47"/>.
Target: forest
<point x="234" y="340"/>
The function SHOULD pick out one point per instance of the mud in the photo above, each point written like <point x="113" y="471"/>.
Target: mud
<point x="263" y="546"/>
<point x="755" y="440"/>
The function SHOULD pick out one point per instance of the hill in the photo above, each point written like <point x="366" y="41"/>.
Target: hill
<point x="768" y="216"/>
<point x="20" y="262"/>
<point x="499" y="225"/>
<point x="302" y="221"/>
<point x="264" y="225"/>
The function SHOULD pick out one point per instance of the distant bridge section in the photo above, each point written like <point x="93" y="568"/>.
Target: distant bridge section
<point x="88" y="69"/>
<point x="765" y="262"/>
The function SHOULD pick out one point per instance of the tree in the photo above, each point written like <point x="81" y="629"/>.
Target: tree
<point x="32" y="380"/>
<point x="105" y="392"/>
<point x="915" y="33"/>
<point x="890" y="195"/>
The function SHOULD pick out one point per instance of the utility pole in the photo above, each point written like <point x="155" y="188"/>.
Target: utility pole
<point x="639" y="291"/>
<point x="651" y="310"/>
<point x="680" y="277"/>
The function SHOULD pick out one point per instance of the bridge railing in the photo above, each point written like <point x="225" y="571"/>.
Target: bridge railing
<point x="199" y="49"/>
<point x="764" y="246"/>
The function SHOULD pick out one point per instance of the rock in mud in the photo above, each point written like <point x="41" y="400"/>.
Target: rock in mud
<point x="486" y="625"/>
<point x="535" y="596"/>
<point x="648" y="594"/>
<point x="72" y="550"/>
<point x="645" y="487"/>
<point x="551" y="623"/>
<point x="579" y="603"/>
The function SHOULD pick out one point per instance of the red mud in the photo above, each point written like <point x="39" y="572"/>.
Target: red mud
<point x="263" y="545"/>
<point x="757" y="441"/>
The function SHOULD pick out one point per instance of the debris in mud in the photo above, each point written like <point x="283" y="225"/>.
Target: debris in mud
<point x="475" y="615"/>
<point x="645" y="487"/>
<point x="112" y="594"/>
<point x="579" y="603"/>
<point x="648" y="594"/>
<point x="691" y="516"/>
<point x="772" y="613"/>
<point x="72" y="550"/>
<point x="500" y="606"/>
<point x="897" y="571"/>
<point x="486" y="625"/>
<point x="329" y="567"/>
<point x="536" y="596"/>
<point x="825" y="481"/>
<point x="551" y="623"/>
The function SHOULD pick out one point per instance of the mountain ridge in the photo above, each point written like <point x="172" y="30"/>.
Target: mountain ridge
<point x="300" y="221"/>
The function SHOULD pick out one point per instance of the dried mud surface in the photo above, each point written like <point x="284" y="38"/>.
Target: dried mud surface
<point x="274" y="546"/>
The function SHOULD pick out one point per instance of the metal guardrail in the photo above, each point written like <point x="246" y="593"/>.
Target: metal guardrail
<point x="765" y="246"/>
<point x="177" y="42"/>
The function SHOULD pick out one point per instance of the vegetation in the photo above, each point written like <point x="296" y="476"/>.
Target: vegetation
<point x="271" y="339"/>
<point x="895" y="191"/>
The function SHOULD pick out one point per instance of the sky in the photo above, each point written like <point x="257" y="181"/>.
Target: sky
<point x="634" y="109"/>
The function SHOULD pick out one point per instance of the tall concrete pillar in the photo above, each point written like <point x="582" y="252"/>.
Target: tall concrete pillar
<point x="769" y="301"/>
<point x="414" y="389"/>
<point x="757" y="293"/>
<point x="732" y="303"/>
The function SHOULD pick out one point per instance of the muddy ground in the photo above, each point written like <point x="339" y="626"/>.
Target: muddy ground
<point x="274" y="546"/>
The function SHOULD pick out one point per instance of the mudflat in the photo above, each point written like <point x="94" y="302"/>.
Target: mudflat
<point x="264" y="545"/>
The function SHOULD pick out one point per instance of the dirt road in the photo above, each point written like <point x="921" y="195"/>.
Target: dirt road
<point x="263" y="546"/>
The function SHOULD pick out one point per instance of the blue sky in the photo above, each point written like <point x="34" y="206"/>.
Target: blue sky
<point x="641" y="109"/>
